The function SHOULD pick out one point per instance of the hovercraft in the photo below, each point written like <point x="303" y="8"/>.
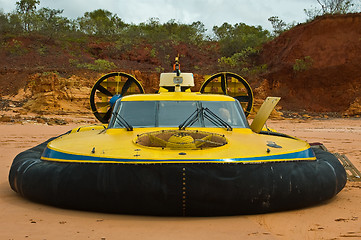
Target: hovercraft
<point x="177" y="153"/>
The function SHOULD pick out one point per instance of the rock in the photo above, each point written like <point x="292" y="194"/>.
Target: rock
<point x="354" y="109"/>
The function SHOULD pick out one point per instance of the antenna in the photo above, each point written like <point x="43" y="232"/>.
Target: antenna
<point x="176" y="66"/>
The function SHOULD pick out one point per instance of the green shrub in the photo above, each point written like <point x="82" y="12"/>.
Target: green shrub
<point x="227" y="62"/>
<point x="153" y="53"/>
<point x="99" y="65"/>
<point x="42" y="50"/>
<point x="15" y="47"/>
<point x="159" y="69"/>
<point x="240" y="59"/>
<point x="303" y="64"/>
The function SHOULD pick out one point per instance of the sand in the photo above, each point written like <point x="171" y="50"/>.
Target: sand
<point x="338" y="218"/>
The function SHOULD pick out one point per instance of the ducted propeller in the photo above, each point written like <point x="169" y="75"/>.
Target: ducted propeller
<point x="108" y="89"/>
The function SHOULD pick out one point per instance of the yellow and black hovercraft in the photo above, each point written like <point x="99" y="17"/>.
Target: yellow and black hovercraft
<point x="177" y="153"/>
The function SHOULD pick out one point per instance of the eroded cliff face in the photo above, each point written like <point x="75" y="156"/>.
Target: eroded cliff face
<point x="50" y="93"/>
<point x="317" y="66"/>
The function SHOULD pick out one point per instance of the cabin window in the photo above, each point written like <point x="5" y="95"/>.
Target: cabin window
<point x="137" y="114"/>
<point x="227" y="111"/>
<point x="174" y="113"/>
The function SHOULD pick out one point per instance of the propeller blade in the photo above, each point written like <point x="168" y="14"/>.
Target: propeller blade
<point x="126" y="86"/>
<point x="242" y="98"/>
<point x="223" y="83"/>
<point x="108" y="114"/>
<point x="104" y="90"/>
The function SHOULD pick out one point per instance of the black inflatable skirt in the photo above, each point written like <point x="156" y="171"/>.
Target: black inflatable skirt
<point x="177" y="189"/>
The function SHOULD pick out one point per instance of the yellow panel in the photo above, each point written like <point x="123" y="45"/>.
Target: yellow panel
<point x="213" y="87"/>
<point x="100" y="95"/>
<point x="113" y="84"/>
<point x="263" y="113"/>
<point x="178" y="96"/>
<point x="236" y="88"/>
<point x="119" y="84"/>
<point x="133" y="89"/>
<point x="103" y="109"/>
<point x="102" y="104"/>
<point x="118" y="143"/>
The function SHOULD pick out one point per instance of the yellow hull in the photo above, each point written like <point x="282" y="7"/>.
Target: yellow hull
<point x="96" y="144"/>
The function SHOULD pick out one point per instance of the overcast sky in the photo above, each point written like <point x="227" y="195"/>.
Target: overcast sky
<point x="209" y="12"/>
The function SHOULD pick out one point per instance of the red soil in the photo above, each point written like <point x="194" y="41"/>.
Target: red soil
<point x="333" y="82"/>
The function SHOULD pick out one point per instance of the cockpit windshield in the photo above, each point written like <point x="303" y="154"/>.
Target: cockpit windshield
<point x="173" y="113"/>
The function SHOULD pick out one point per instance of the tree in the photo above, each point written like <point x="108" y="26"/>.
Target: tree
<point x="331" y="7"/>
<point x="188" y="33"/>
<point x="278" y="25"/>
<point x="4" y="22"/>
<point x="100" y="22"/>
<point x="239" y="44"/>
<point x="49" y="22"/>
<point x="26" y="9"/>
<point x="234" y="39"/>
<point x="153" y="31"/>
<point x="26" y="6"/>
<point x="335" y="6"/>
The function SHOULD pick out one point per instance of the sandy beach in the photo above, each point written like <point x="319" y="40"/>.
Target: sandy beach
<point x="339" y="218"/>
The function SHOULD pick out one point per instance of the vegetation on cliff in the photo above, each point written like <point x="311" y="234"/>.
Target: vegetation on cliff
<point x="285" y="62"/>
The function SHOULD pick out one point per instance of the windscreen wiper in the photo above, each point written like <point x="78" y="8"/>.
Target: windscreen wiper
<point x="209" y="115"/>
<point x="213" y="118"/>
<point x="123" y="122"/>
<point x="191" y="119"/>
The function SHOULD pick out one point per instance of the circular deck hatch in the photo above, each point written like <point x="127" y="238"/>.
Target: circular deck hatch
<point x="181" y="139"/>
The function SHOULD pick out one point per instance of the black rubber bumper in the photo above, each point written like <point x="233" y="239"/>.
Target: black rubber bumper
<point x="177" y="189"/>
